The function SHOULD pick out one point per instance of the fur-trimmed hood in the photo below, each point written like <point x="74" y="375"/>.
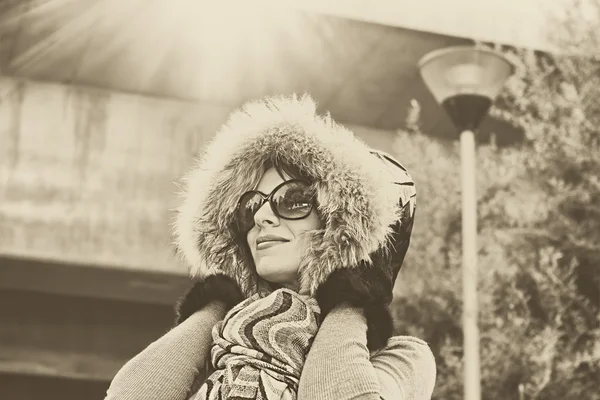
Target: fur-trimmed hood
<point x="357" y="191"/>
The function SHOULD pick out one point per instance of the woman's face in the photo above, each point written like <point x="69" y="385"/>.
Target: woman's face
<point x="278" y="261"/>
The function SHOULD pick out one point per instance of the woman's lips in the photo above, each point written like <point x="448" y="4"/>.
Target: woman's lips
<point x="268" y="244"/>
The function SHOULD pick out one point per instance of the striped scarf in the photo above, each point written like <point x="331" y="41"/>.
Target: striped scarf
<point x="259" y="348"/>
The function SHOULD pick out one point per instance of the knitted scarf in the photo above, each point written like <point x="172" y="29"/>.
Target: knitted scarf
<point x="260" y="347"/>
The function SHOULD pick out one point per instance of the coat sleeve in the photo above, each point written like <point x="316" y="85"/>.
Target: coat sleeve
<point x="168" y="367"/>
<point x="339" y="366"/>
<point x="405" y="369"/>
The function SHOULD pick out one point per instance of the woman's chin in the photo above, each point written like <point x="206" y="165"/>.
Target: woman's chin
<point x="273" y="271"/>
<point x="265" y="268"/>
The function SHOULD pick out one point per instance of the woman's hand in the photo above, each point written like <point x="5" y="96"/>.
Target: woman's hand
<point x="367" y="287"/>
<point x="213" y="288"/>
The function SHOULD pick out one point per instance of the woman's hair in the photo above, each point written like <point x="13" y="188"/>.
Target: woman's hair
<point x="283" y="168"/>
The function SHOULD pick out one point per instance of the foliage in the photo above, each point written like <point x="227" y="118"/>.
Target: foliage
<point x="539" y="236"/>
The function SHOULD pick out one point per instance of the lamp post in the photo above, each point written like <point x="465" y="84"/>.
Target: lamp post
<point x="465" y="81"/>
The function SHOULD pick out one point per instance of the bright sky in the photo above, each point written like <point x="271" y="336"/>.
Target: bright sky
<point x="523" y="23"/>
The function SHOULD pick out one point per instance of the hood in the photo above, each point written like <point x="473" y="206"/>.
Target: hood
<point x="360" y="196"/>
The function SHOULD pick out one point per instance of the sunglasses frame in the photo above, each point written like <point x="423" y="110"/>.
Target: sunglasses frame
<point x="268" y="198"/>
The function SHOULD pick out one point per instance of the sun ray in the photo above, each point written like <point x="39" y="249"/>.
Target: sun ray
<point x="114" y="20"/>
<point x="217" y="49"/>
<point x="64" y="35"/>
<point x="32" y="9"/>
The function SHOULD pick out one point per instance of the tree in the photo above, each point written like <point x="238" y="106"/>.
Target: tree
<point x="539" y="234"/>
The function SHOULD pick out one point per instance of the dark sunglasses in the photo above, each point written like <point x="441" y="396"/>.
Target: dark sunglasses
<point x="290" y="200"/>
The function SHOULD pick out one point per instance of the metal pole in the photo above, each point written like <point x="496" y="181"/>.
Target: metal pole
<point x="472" y="384"/>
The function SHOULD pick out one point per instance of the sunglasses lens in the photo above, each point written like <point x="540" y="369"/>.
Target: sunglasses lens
<point x="249" y="204"/>
<point x="294" y="200"/>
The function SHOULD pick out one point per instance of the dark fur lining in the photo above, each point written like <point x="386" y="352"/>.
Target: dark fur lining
<point x="367" y="287"/>
<point x="214" y="287"/>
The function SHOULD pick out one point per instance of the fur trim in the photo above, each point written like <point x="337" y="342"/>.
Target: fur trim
<point x="356" y="201"/>
<point x="214" y="287"/>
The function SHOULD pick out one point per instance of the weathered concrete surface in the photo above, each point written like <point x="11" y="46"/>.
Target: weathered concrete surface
<point x="87" y="176"/>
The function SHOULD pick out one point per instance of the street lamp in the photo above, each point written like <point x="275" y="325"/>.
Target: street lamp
<point x="465" y="81"/>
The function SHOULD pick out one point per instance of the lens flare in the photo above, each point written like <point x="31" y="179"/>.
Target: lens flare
<point x="219" y="49"/>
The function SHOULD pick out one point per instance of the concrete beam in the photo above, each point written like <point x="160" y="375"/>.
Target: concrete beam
<point x="87" y="176"/>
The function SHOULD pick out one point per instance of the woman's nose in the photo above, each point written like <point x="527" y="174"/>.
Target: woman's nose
<point x="265" y="216"/>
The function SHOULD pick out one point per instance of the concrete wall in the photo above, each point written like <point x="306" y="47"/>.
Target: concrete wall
<point x="87" y="176"/>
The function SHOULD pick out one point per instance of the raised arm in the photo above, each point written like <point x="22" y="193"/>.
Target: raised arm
<point x="340" y="367"/>
<point x="405" y="369"/>
<point x="168" y="367"/>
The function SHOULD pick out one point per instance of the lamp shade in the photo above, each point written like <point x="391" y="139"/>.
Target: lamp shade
<point x="465" y="81"/>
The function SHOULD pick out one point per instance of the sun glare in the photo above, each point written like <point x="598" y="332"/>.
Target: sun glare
<point x="196" y="43"/>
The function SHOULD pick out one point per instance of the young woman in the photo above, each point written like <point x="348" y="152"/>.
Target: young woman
<point x="294" y="231"/>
